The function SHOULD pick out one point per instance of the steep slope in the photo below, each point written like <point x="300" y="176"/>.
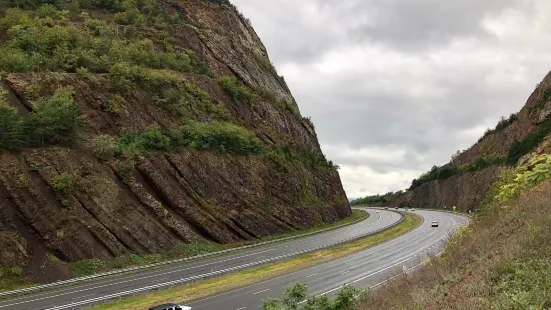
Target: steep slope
<point x="501" y="261"/>
<point x="136" y="126"/>
<point x="465" y="181"/>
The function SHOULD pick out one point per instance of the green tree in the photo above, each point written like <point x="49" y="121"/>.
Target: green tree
<point x="11" y="128"/>
<point x="295" y="298"/>
<point x="55" y="120"/>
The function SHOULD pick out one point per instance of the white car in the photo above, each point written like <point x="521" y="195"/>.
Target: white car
<point x="434" y="224"/>
<point x="170" y="307"/>
<point x="377" y="211"/>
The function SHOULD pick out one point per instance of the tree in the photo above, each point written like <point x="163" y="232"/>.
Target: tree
<point x="295" y="299"/>
<point x="11" y="128"/>
<point x="455" y="156"/>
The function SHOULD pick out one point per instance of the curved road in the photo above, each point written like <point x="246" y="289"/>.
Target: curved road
<point x="89" y="293"/>
<point x="366" y="269"/>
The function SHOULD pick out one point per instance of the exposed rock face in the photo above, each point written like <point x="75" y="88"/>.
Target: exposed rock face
<point x="467" y="191"/>
<point x="171" y="197"/>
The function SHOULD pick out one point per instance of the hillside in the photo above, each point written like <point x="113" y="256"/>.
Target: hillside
<point x="501" y="261"/>
<point x="466" y="179"/>
<point x="137" y="127"/>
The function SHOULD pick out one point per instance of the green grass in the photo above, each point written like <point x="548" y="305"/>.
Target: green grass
<point x="93" y="266"/>
<point x="11" y="278"/>
<point x="212" y="286"/>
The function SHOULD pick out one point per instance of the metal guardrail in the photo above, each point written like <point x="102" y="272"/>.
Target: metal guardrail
<point x="103" y="299"/>
<point x="149" y="266"/>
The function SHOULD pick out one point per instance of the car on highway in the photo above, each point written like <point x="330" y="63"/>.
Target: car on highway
<point x="396" y="208"/>
<point x="377" y="211"/>
<point x="170" y="307"/>
<point x="386" y="208"/>
<point x="412" y="209"/>
<point x="434" y="224"/>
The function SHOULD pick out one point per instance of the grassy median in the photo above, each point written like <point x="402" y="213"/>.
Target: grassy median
<point x="192" y="291"/>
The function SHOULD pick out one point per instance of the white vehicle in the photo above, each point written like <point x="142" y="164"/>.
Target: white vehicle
<point x="170" y="307"/>
<point x="434" y="224"/>
<point x="377" y="211"/>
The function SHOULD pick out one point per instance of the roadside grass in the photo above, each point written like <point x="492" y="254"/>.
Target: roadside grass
<point x="201" y="289"/>
<point x="501" y="261"/>
<point x="93" y="266"/>
<point x="11" y="278"/>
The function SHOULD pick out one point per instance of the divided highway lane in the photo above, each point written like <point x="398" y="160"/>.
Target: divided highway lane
<point x="79" y="296"/>
<point x="364" y="269"/>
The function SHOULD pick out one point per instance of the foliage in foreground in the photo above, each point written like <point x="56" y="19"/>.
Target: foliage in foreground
<point x="295" y="297"/>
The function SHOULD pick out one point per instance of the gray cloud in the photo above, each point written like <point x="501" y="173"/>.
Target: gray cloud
<point x="394" y="87"/>
<point x="420" y="24"/>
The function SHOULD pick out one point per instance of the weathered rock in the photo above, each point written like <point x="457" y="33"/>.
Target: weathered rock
<point x="467" y="191"/>
<point x="183" y="196"/>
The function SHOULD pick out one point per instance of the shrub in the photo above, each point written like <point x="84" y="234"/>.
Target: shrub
<point x="55" y="120"/>
<point x="154" y="137"/>
<point x="103" y="146"/>
<point x="234" y="88"/>
<point x="115" y="104"/>
<point x="480" y="163"/>
<point x="347" y="298"/>
<point x="22" y="181"/>
<point x="519" y="149"/>
<point x="308" y="120"/>
<point x="502" y="124"/>
<point x="220" y="136"/>
<point x="63" y="183"/>
<point x="370" y="200"/>
<point x="513" y="182"/>
<point x="11" y="128"/>
<point x="445" y="172"/>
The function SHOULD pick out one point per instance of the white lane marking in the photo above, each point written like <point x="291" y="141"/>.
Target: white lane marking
<point x="261" y="291"/>
<point x="312" y="275"/>
<point x="367" y="276"/>
<point x="414" y="267"/>
<point x="241" y="308"/>
<point x="349" y="263"/>
<point x="147" y="287"/>
<point x="133" y="278"/>
<point x="345" y="272"/>
<point x="141" y="278"/>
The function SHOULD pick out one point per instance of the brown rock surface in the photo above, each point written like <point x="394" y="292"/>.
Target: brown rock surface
<point x="467" y="191"/>
<point x="172" y="197"/>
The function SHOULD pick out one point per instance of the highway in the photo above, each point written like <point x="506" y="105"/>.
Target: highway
<point x="366" y="269"/>
<point x="95" y="292"/>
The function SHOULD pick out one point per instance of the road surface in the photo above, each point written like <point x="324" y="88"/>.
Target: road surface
<point x="89" y="293"/>
<point x="364" y="269"/>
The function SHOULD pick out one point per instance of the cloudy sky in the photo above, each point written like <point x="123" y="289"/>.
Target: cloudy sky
<point x="397" y="86"/>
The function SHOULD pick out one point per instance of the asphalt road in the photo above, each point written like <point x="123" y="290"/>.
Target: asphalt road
<point x="85" y="294"/>
<point x="366" y="269"/>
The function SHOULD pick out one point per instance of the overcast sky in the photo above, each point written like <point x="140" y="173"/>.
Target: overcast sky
<point x="397" y="86"/>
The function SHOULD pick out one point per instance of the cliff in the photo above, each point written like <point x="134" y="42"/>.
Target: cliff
<point x="133" y="127"/>
<point x="465" y="181"/>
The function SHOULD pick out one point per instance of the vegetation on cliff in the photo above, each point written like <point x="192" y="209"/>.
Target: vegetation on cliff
<point x="447" y="171"/>
<point x="501" y="261"/>
<point x="371" y="200"/>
